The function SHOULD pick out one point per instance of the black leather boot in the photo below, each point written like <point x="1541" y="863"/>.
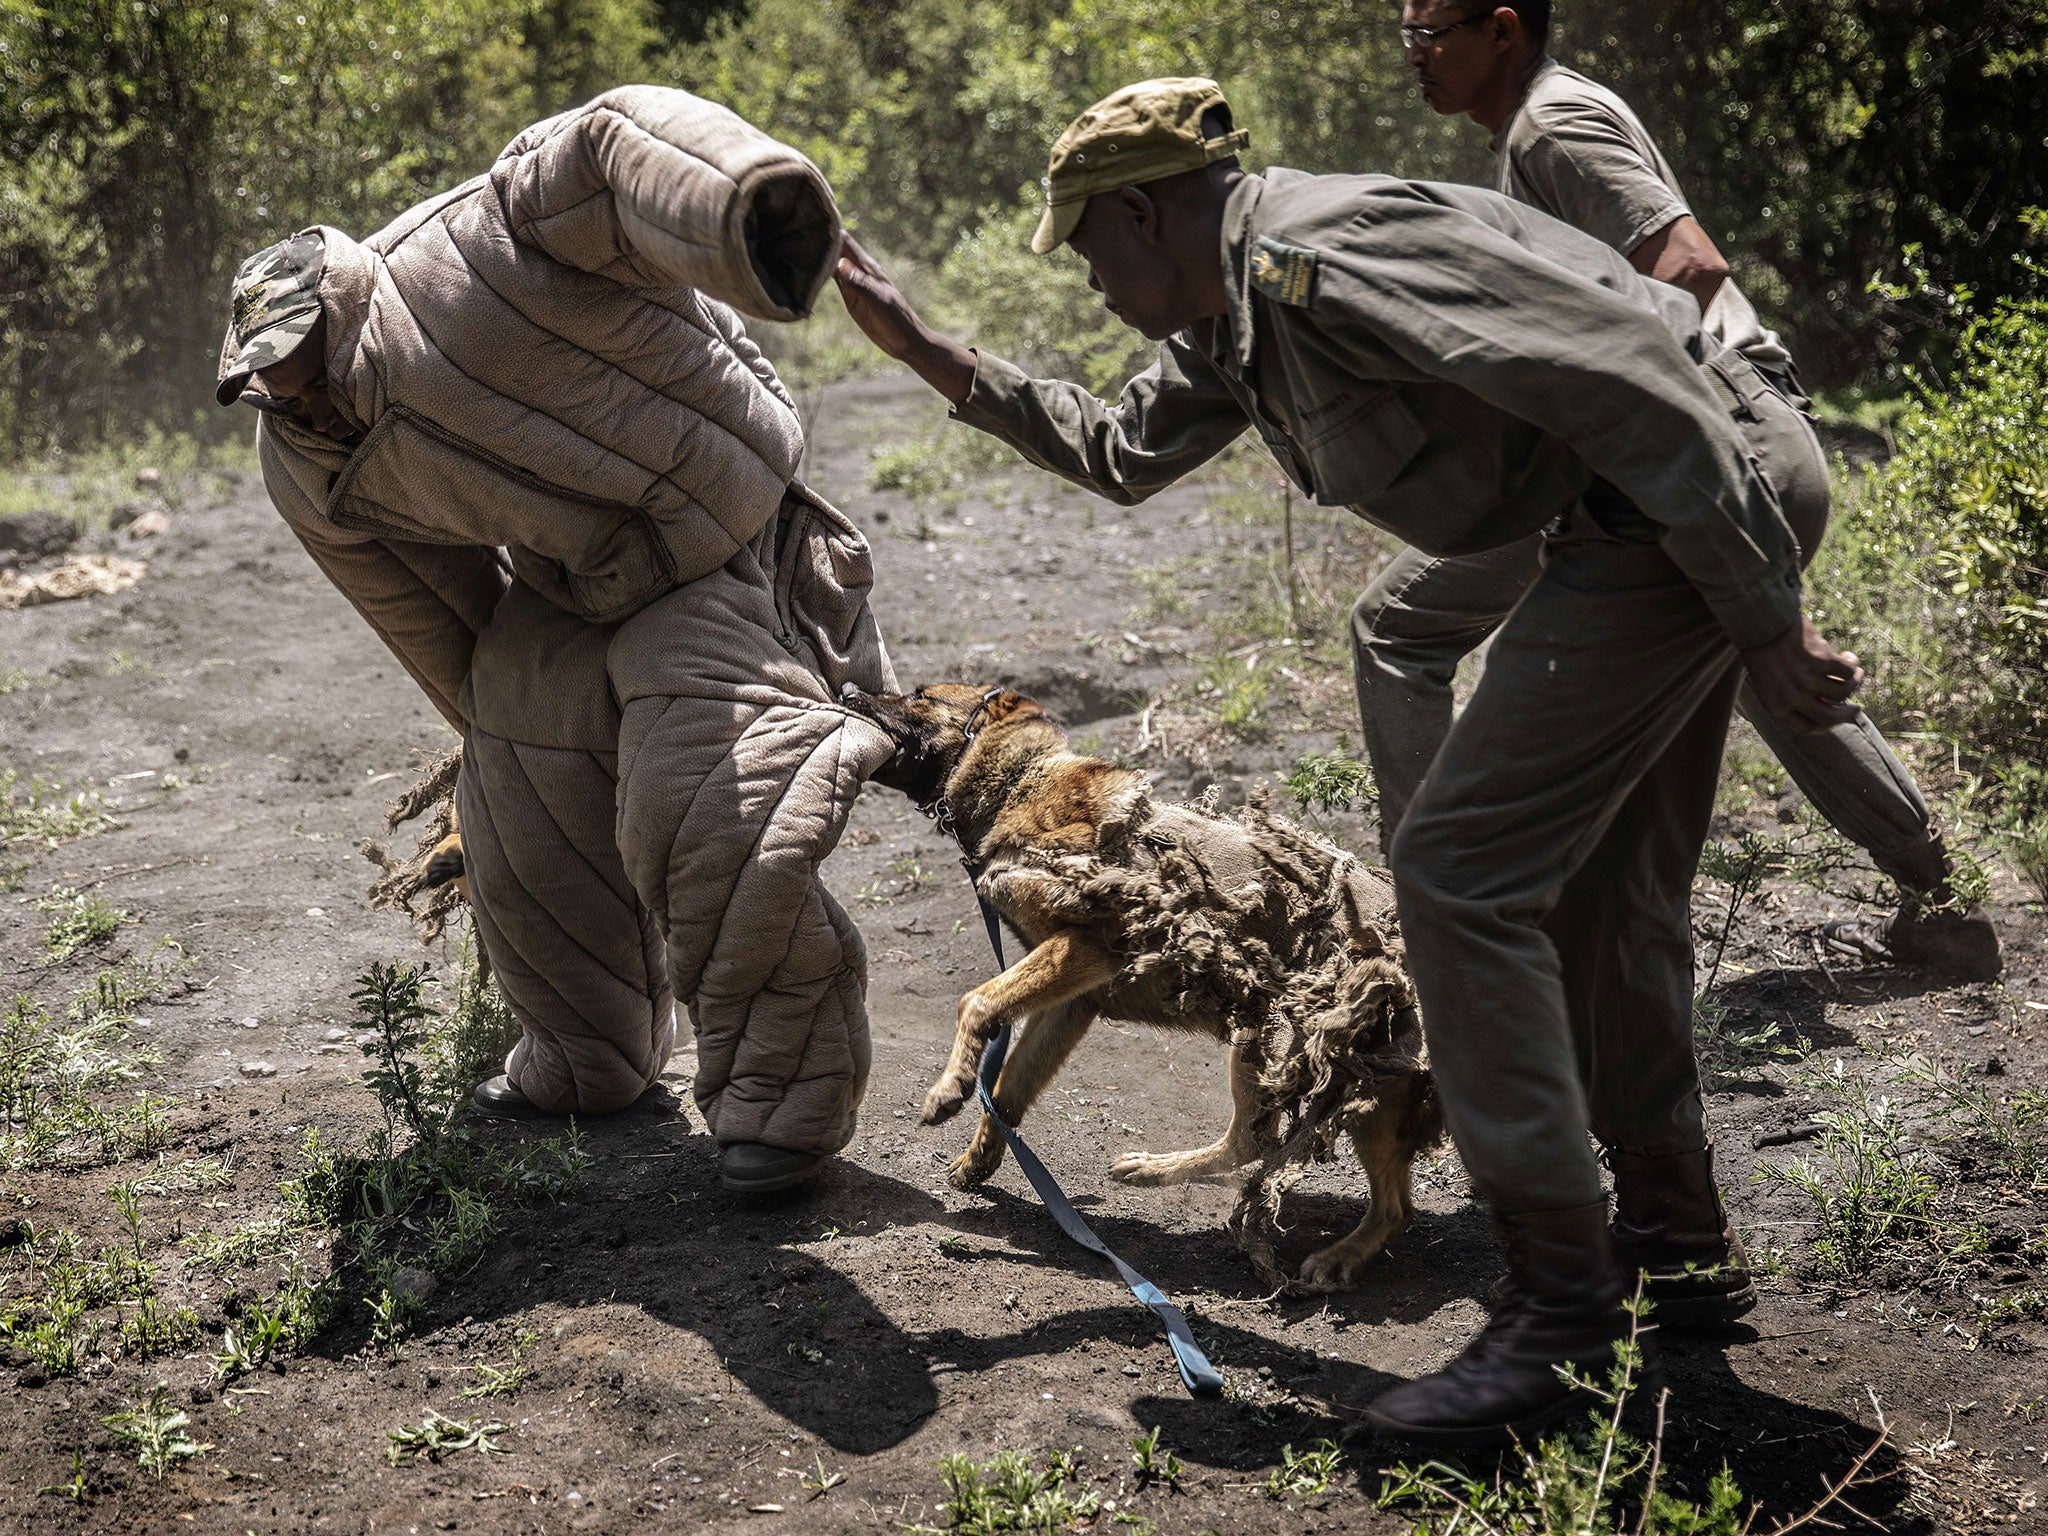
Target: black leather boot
<point x="1670" y="1225"/>
<point x="1563" y="1307"/>
<point x="499" y="1098"/>
<point x="755" y="1169"/>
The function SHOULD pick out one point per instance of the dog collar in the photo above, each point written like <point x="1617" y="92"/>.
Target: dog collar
<point x="979" y="713"/>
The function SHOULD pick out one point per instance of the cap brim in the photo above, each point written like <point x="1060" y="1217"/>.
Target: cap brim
<point x="231" y="385"/>
<point x="269" y="346"/>
<point x="1055" y="224"/>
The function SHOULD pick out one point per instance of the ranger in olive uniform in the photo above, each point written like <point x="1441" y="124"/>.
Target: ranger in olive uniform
<point x="1573" y="148"/>
<point x="1464" y="372"/>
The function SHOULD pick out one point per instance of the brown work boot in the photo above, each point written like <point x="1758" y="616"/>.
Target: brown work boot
<point x="1932" y="929"/>
<point x="1563" y="1309"/>
<point x="1960" y="944"/>
<point x="1670" y="1225"/>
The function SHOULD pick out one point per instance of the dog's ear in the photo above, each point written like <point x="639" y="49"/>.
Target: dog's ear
<point x="1011" y="705"/>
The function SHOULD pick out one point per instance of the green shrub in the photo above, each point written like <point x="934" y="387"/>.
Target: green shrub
<point x="53" y="1079"/>
<point x="1938" y="573"/>
<point x="1873" y="1191"/>
<point x="77" y="921"/>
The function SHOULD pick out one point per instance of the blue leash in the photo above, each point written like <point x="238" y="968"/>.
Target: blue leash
<point x="1201" y="1378"/>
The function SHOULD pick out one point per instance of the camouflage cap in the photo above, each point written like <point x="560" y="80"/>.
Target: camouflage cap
<point x="276" y="302"/>
<point x="1141" y="133"/>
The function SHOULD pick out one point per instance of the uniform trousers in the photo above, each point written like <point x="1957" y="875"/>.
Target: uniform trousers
<point x="1425" y="613"/>
<point x="1543" y="871"/>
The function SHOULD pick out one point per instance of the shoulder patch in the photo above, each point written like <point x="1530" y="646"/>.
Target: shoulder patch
<point x="1284" y="273"/>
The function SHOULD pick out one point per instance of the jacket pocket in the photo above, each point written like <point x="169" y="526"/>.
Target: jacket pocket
<point x="824" y="572"/>
<point x="412" y="480"/>
<point x="1360" y="452"/>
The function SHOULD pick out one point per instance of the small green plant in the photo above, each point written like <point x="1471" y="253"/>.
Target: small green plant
<point x="1324" y="784"/>
<point x="39" y="811"/>
<point x="1872" y="1190"/>
<point x="267" y="1331"/>
<point x="16" y="679"/>
<point x="1010" y="1493"/>
<point x="426" y="1193"/>
<point x="76" y="921"/>
<point x="480" y="1029"/>
<point x="132" y="983"/>
<point x="1730" y="1053"/>
<point x="1153" y="1464"/>
<point x="1235" y="692"/>
<point x="157" y="1432"/>
<point x="76" y="1489"/>
<point x="52" y="1077"/>
<point x="1305" y="1474"/>
<point x="436" y="1436"/>
<point x="1743" y="867"/>
<point x="503" y="1378"/>
<point x="391" y="1002"/>
<point x="818" y="1482"/>
<point x="253" y="1242"/>
<point x="392" y="1315"/>
<point x="2014" y="1128"/>
<point x="157" y="1327"/>
<point x="908" y="875"/>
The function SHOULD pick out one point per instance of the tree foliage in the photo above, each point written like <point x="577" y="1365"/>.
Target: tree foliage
<point x="1938" y="577"/>
<point x="146" y="146"/>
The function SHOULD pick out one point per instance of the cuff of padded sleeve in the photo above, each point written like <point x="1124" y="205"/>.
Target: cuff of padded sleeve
<point x="1763" y="610"/>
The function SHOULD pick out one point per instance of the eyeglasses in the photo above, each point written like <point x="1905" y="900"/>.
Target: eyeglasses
<point x="1429" y="37"/>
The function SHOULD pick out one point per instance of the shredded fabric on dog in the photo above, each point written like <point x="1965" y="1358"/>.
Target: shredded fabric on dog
<point x="1259" y="919"/>
<point x="403" y="886"/>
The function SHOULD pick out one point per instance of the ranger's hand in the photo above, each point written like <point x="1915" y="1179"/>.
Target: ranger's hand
<point x="1802" y="679"/>
<point x="879" y="309"/>
<point x="876" y="304"/>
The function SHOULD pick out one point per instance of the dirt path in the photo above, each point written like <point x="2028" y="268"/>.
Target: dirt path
<point x="697" y="1356"/>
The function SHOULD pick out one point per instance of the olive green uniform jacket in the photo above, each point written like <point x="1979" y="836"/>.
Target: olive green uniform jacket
<point x="1453" y="367"/>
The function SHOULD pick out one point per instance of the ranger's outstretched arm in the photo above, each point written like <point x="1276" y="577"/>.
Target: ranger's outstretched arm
<point x="879" y="308"/>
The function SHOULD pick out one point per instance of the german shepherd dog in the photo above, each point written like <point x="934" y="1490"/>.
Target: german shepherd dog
<point x="1072" y="853"/>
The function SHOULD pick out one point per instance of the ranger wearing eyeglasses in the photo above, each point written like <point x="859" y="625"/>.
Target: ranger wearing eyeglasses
<point x="1465" y="371"/>
<point x="1573" y="148"/>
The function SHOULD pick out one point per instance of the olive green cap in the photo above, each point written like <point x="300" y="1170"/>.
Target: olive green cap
<point x="276" y="302"/>
<point x="1141" y="133"/>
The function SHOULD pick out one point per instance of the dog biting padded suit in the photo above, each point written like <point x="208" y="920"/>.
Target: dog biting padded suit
<point x="574" y="519"/>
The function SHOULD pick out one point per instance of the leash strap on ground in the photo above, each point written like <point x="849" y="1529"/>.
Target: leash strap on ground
<point x="1201" y="1378"/>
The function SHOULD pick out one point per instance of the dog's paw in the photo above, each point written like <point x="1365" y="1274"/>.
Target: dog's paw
<point x="1336" y="1268"/>
<point x="1151" y="1168"/>
<point x="446" y="863"/>
<point x="944" y="1099"/>
<point x="973" y="1167"/>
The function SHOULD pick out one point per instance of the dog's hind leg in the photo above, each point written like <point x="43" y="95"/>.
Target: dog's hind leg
<point x="1041" y="1050"/>
<point x="1387" y="1138"/>
<point x="1066" y="966"/>
<point x="1232" y="1150"/>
